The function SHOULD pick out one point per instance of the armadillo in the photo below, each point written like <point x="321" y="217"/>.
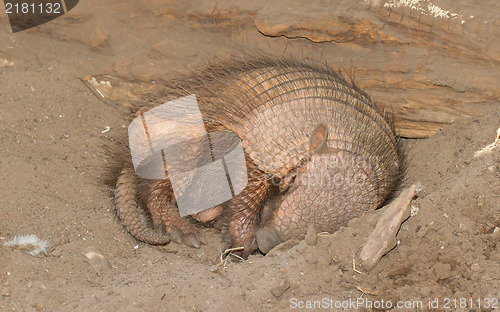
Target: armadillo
<point x="318" y="151"/>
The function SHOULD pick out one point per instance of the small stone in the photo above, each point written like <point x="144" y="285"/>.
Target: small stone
<point x="480" y="201"/>
<point x="419" y="187"/>
<point x="414" y="208"/>
<point x="278" y="290"/>
<point x="327" y="278"/>
<point x="98" y="261"/>
<point x="5" y="292"/>
<point x="426" y="291"/>
<point x="475" y="267"/>
<point x="442" y="271"/>
<point x="39" y="306"/>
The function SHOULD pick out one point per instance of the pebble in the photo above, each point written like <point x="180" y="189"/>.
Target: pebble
<point x="327" y="278"/>
<point x="278" y="290"/>
<point x="98" y="261"/>
<point x="442" y="271"/>
<point x="419" y="188"/>
<point x="5" y="292"/>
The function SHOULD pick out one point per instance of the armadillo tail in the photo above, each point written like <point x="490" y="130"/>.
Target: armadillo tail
<point x="131" y="215"/>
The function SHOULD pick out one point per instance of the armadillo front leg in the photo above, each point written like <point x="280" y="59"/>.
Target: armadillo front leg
<point x="244" y="213"/>
<point x="165" y="214"/>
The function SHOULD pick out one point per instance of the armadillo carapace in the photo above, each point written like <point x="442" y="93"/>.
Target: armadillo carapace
<point x="317" y="151"/>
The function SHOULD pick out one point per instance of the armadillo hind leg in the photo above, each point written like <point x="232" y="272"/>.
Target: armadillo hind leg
<point x="166" y="216"/>
<point x="244" y="212"/>
<point x="131" y="214"/>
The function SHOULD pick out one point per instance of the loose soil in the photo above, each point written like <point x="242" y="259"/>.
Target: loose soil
<point x="55" y="148"/>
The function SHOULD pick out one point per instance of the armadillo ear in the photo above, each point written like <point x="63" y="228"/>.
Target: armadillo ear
<point x="317" y="141"/>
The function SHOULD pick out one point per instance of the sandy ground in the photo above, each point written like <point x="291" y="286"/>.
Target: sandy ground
<point x="54" y="148"/>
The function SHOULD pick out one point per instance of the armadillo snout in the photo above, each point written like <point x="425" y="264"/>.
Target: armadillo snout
<point x="267" y="238"/>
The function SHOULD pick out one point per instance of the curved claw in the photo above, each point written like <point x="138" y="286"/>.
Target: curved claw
<point x="176" y="236"/>
<point x="166" y="217"/>
<point x="191" y="240"/>
<point x="202" y="238"/>
<point x="190" y="236"/>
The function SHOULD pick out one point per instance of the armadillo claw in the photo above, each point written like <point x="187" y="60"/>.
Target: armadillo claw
<point x="191" y="240"/>
<point x="190" y="237"/>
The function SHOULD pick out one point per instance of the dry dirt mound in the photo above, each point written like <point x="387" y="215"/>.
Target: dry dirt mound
<point x="55" y="133"/>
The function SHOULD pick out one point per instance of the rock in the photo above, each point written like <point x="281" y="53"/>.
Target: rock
<point x="442" y="271"/>
<point x="5" y="292"/>
<point x="98" y="261"/>
<point x="278" y="290"/>
<point x="383" y="237"/>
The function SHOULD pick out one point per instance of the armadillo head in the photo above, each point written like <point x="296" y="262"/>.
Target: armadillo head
<point x="332" y="188"/>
